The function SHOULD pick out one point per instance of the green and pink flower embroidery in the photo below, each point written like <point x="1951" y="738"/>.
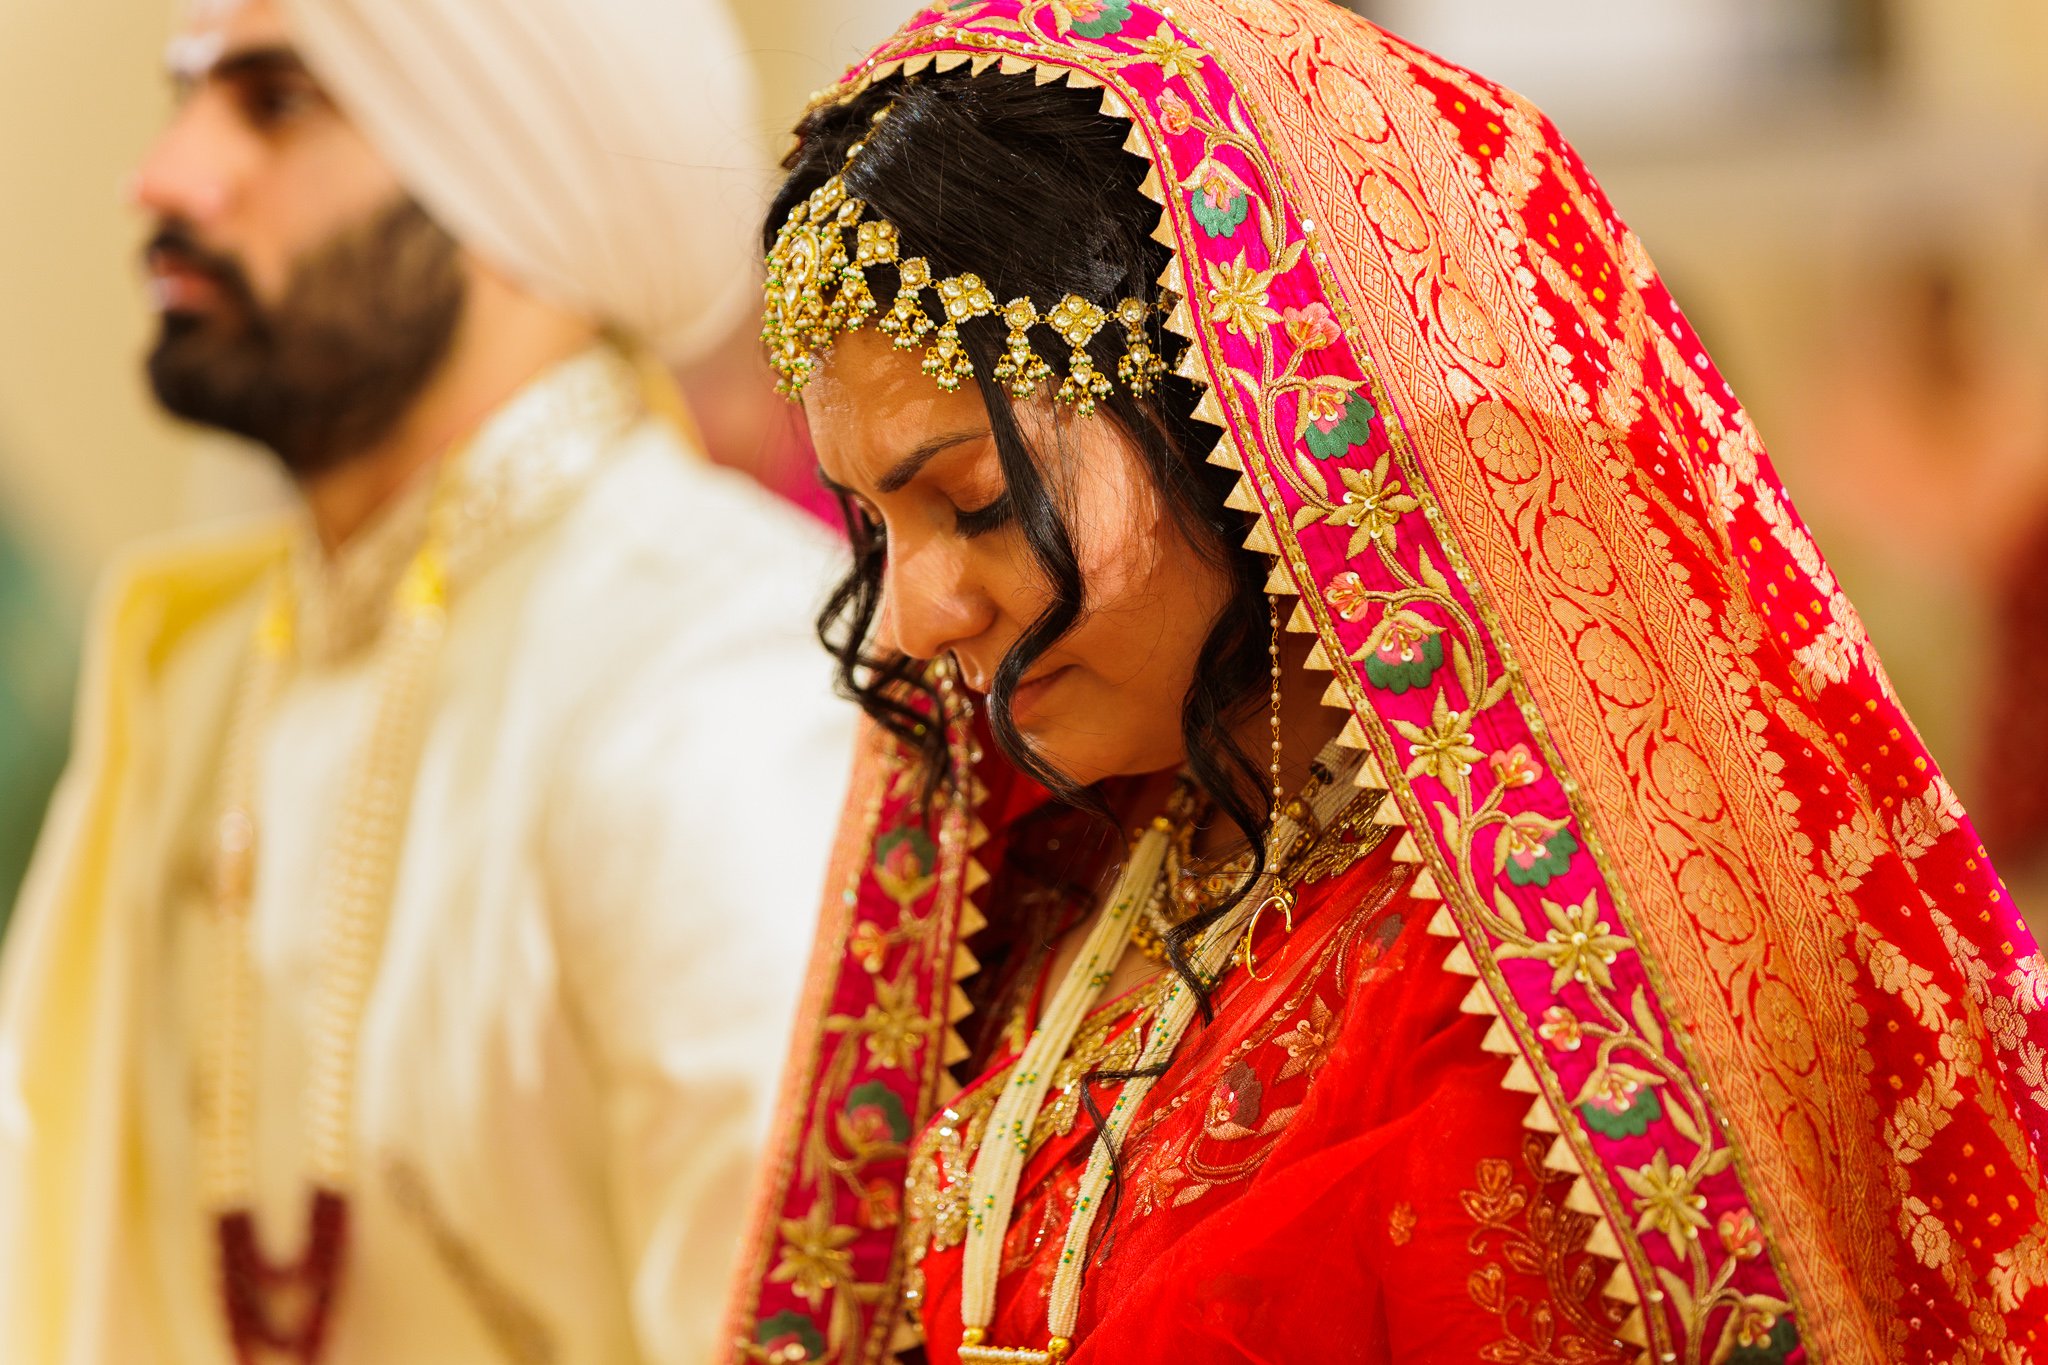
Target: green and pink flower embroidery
<point x="873" y="1117"/>
<point x="1091" y="18"/>
<point x="789" y="1337"/>
<point x="1404" y="653"/>
<point x="1620" y="1101"/>
<point x="1221" y="201"/>
<point x="1334" y="418"/>
<point x="904" y="860"/>
<point x="1763" y="1336"/>
<point x="1533" y="851"/>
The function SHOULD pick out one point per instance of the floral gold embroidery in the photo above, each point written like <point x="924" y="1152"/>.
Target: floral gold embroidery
<point x="894" y="1026"/>
<point x="1579" y="945"/>
<point x="1561" y="1319"/>
<point x="1671" y="1201"/>
<point x="1171" y="55"/>
<point x="1308" y="1042"/>
<point x="1443" y="749"/>
<point x="814" y="1256"/>
<point x="1237" y="298"/>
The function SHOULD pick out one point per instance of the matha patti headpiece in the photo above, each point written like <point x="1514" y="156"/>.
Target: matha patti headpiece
<point x="818" y="290"/>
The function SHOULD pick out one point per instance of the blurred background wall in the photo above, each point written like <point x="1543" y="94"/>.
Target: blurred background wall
<point x="1850" y="197"/>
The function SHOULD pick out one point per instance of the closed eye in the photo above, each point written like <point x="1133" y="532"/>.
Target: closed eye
<point x="982" y="520"/>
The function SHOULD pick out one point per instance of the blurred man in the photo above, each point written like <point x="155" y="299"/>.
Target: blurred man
<point x="408" y="959"/>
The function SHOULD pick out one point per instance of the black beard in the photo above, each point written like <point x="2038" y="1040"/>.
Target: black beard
<point x="332" y="368"/>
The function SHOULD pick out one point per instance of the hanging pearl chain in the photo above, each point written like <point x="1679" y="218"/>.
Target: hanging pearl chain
<point x="1273" y="656"/>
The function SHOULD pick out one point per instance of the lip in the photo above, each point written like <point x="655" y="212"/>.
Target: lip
<point x="1030" y="694"/>
<point x="177" y="287"/>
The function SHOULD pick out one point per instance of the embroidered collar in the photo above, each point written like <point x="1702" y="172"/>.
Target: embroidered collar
<point x="521" y="467"/>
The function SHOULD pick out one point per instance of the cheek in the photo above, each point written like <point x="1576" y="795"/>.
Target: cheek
<point x="1121" y="538"/>
<point x="316" y="186"/>
<point x="1153" y="599"/>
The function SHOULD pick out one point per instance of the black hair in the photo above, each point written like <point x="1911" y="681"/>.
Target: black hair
<point x="1029" y="186"/>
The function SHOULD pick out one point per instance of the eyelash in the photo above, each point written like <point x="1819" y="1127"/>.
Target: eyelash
<point x="982" y="520"/>
<point x="272" y="105"/>
<point x="967" y="525"/>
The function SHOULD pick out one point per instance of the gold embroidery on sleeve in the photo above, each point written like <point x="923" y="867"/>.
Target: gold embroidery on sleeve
<point x="1524" y="1231"/>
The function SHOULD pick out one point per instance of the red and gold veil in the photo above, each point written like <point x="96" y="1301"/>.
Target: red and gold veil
<point x="1625" y="714"/>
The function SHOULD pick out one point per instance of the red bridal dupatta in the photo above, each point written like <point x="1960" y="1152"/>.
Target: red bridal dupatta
<point x="1750" y="980"/>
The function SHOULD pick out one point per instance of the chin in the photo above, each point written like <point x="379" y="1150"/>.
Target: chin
<point x="1084" y="761"/>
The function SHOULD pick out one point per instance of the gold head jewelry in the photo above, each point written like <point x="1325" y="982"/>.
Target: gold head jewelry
<point x="818" y="290"/>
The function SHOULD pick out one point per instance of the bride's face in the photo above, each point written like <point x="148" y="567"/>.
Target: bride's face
<point x="960" y="578"/>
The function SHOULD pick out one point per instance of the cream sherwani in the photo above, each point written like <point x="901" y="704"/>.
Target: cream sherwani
<point x="631" y="768"/>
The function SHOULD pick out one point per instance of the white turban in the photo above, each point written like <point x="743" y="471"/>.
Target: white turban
<point x="600" y="153"/>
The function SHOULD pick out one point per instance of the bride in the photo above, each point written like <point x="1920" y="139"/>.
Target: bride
<point x="1379" y="838"/>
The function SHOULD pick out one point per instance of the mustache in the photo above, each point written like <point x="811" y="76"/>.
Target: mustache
<point x="176" y="243"/>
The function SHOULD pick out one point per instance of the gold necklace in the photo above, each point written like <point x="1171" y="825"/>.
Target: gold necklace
<point x="363" y="866"/>
<point x="1317" y="850"/>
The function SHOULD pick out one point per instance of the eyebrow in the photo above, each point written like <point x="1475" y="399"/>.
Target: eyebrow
<point x="267" y="60"/>
<point x="912" y="463"/>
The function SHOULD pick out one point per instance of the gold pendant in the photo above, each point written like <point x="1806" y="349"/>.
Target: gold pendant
<point x="1285" y="900"/>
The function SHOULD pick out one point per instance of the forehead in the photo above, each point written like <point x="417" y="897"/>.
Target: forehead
<point x="209" y="30"/>
<point x="868" y="404"/>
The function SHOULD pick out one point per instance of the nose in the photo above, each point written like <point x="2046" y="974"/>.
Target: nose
<point x="930" y="604"/>
<point x="191" y="170"/>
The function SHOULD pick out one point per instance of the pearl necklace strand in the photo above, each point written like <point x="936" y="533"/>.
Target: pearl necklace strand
<point x="993" y="1189"/>
<point x="355" y="906"/>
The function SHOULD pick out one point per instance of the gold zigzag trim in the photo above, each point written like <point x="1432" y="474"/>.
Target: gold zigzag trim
<point x="973" y="877"/>
<point x="1500" y="1038"/>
